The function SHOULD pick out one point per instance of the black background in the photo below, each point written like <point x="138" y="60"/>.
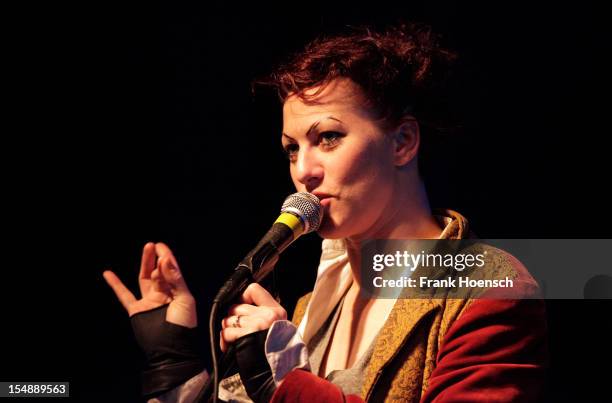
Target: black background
<point x="134" y="121"/>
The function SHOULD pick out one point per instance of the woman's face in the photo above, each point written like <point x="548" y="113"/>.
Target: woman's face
<point x="338" y="153"/>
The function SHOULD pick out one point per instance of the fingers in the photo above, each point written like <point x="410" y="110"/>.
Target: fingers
<point x="222" y="342"/>
<point x="249" y="322"/>
<point x="147" y="262"/>
<point x="244" y="319"/>
<point x="147" y="265"/>
<point x="230" y="321"/>
<point x="172" y="276"/>
<point x="159" y="272"/>
<point x="257" y="295"/>
<point x="158" y="284"/>
<point x="162" y="250"/>
<point x="124" y="295"/>
<point x="242" y="309"/>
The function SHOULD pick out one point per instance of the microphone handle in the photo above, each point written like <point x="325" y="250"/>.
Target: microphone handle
<point x="258" y="263"/>
<point x="235" y="285"/>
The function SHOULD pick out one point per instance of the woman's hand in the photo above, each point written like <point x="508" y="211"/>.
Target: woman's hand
<point x="161" y="282"/>
<point x="257" y="312"/>
<point x="168" y="335"/>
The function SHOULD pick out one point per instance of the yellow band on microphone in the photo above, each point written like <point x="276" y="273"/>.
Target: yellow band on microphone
<point x="292" y="222"/>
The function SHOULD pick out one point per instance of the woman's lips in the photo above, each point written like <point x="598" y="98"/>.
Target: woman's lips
<point x="325" y="201"/>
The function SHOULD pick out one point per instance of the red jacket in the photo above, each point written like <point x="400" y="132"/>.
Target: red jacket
<point x="477" y="350"/>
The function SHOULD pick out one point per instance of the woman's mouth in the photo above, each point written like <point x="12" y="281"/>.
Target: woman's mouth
<point x="325" y="201"/>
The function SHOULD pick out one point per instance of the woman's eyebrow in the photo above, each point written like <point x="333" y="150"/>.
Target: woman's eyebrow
<point x="314" y="126"/>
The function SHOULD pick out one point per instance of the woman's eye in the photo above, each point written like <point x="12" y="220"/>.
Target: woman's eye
<point x="291" y="150"/>
<point x="330" y="138"/>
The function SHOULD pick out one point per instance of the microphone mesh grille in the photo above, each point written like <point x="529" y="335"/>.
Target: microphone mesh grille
<point x="307" y="207"/>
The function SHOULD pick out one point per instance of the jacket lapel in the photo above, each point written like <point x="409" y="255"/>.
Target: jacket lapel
<point x="403" y="320"/>
<point x="408" y="312"/>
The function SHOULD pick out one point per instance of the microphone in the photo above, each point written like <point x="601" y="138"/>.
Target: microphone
<point x="300" y="214"/>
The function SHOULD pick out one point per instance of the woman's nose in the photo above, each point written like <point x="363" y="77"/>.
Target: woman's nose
<point x="308" y="169"/>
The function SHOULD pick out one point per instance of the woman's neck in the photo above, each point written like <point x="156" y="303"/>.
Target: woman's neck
<point x="409" y="217"/>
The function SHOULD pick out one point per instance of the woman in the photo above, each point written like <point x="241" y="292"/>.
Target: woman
<point x="351" y="110"/>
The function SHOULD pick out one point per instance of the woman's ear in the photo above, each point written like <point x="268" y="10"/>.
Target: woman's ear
<point x="406" y="140"/>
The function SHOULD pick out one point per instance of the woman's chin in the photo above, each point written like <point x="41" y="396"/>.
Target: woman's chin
<point x="329" y="230"/>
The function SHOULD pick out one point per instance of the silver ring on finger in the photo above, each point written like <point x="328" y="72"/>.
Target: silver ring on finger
<point x="236" y="322"/>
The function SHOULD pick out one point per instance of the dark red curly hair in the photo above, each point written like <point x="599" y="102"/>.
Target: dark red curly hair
<point x="399" y="69"/>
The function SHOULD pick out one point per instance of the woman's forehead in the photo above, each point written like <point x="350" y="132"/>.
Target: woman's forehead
<point x="339" y="97"/>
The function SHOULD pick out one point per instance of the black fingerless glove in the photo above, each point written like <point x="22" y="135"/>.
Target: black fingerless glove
<point x="173" y="353"/>
<point x="253" y="366"/>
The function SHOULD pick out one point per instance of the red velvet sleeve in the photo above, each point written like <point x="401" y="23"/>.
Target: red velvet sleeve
<point x="495" y="352"/>
<point x="304" y="386"/>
